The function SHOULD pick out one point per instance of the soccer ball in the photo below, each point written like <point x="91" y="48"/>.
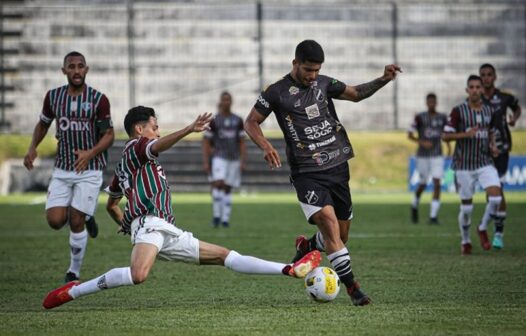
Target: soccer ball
<point x="322" y="284"/>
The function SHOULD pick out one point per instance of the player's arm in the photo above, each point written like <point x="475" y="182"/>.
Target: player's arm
<point x="207" y="153"/>
<point x="242" y="152"/>
<point x="515" y="116"/>
<point x="451" y="129"/>
<point x="254" y="131"/>
<point x="199" y="125"/>
<point x="363" y="91"/>
<point x="39" y="133"/>
<point x="115" y="212"/>
<point x="104" y="126"/>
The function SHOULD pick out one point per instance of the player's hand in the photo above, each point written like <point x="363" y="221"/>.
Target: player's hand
<point x="471" y="132"/>
<point x="202" y="123"/>
<point x="271" y="155"/>
<point x="390" y="72"/>
<point x="30" y="158"/>
<point x="426" y="144"/>
<point x="494" y="150"/>
<point x="82" y="161"/>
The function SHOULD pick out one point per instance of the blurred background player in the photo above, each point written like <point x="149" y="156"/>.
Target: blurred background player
<point x="429" y="160"/>
<point x="500" y="101"/>
<point x="318" y="149"/>
<point x="149" y="218"/>
<point x="471" y="125"/>
<point x="84" y="131"/>
<point x="224" y="153"/>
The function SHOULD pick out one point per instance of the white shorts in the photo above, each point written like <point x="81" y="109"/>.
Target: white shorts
<point x="76" y="190"/>
<point x="227" y="170"/>
<point x="429" y="167"/>
<point x="172" y="243"/>
<point x="466" y="180"/>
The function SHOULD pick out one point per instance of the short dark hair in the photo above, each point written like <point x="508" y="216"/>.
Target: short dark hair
<point x="137" y="114"/>
<point x="310" y="51"/>
<point x="487" y="65"/>
<point x="473" y="77"/>
<point x="431" y="95"/>
<point x="73" y="54"/>
<point x="225" y="93"/>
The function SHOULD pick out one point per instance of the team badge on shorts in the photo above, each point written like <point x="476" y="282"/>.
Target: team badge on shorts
<point x="311" y="197"/>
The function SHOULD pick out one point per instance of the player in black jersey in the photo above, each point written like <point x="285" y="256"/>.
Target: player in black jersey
<point x="500" y="102"/>
<point x="317" y="151"/>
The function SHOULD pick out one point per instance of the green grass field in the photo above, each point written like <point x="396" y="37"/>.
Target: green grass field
<point x="414" y="273"/>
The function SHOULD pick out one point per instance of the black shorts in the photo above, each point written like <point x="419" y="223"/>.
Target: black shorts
<point x="328" y="187"/>
<point x="501" y="163"/>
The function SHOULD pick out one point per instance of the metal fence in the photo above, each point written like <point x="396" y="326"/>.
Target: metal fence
<point x="178" y="56"/>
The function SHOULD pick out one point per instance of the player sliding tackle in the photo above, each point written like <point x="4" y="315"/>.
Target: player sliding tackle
<point x="149" y="219"/>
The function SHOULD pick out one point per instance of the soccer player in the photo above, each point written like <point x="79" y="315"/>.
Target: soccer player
<point x="149" y="219"/>
<point x="429" y="160"/>
<point x="471" y="125"/>
<point x="84" y="132"/>
<point x="500" y="101"/>
<point x="224" y="148"/>
<point x="317" y="151"/>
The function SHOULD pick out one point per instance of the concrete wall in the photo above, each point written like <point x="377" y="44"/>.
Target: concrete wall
<point x="187" y="52"/>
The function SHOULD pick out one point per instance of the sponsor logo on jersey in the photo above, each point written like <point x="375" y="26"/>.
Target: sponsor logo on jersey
<point x="293" y="90"/>
<point x="292" y="130"/>
<point x="495" y="100"/>
<point x="432" y="133"/>
<point x="322" y="158"/>
<point x="313" y="146"/>
<point x="74" y="125"/>
<point x="317" y="131"/>
<point x="311" y="197"/>
<point x="263" y="101"/>
<point x="312" y="111"/>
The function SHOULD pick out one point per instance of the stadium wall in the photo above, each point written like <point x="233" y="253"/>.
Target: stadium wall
<point x="178" y="56"/>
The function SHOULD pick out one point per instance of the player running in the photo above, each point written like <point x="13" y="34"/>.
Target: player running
<point x="149" y="219"/>
<point x="471" y="124"/>
<point x="317" y="151"/>
<point x="429" y="160"/>
<point x="500" y="101"/>
<point x="84" y="133"/>
<point x="225" y="151"/>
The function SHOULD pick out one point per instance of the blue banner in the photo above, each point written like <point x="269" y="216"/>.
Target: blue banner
<point x="515" y="179"/>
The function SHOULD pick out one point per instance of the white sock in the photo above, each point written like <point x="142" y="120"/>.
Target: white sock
<point x="226" y="207"/>
<point x="415" y="202"/>
<point x="435" y="206"/>
<point x="464" y="221"/>
<point x="491" y="209"/>
<point x="77" y="244"/>
<point x="251" y="265"/>
<point x="217" y="200"/>
<point x="113" y="278"/>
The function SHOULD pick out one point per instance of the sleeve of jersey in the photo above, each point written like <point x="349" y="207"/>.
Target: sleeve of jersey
<point x="414" y="125"/>
<point x="143" y="149"/>
<point x="47" y="115"/>
<point x="452" y="122"/>
<point x="114" y="190"/>
<point x="335" y="88"/>
<point x="210" y="133"/>
<point x="103" y="115"/>
<point x="514" y="105"/>
<point x="265" y="100"/>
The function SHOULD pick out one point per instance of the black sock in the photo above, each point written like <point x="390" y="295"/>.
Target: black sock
<point x="499" y="224"/>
